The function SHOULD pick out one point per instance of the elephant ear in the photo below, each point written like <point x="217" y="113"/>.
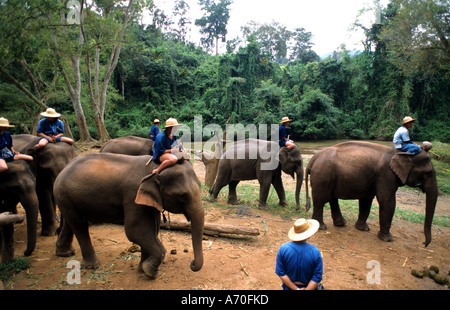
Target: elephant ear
<point x="149" y="193"/>
<point x="401" y="164"/>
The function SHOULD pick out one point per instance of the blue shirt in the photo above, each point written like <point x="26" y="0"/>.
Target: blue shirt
<point x="162" y="144"/>
<point x="5" y="146"/>
<point x="300" y="261"/>
<point x="50" y="128"/>
<point x="401" y="137"/>
<point x="282" y="133"/>
<point x="154" y="132"/>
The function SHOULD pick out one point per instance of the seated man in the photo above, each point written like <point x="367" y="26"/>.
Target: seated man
<point x="402" y="140"/>
<point x="51" y="129"/>
<point x="165" y="147"/>
<point x="283" y="136"/>
<point x="7" y="152"/>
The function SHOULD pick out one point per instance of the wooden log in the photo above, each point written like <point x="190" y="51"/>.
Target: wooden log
<point x="211" y="229"/>
<point x="7" y="218"/>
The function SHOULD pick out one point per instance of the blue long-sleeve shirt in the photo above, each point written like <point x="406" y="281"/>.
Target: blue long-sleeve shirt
<point x="300" y="261"/>
<point x="162" y="144"/>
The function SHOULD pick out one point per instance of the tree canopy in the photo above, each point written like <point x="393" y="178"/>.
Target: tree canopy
<point x="111" y="75"/>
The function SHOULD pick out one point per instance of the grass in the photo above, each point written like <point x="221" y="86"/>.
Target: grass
<point x="9" y="269"/>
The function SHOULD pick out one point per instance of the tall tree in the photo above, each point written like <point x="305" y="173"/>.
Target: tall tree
<point x="214" y="23"/>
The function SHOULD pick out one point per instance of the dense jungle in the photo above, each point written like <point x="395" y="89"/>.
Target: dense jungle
<point x="110" y="74"/>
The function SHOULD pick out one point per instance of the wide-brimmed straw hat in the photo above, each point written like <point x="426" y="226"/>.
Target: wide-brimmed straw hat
<point x="156" y="121"/>
<point x="303" y="229"/>
<point x="50" y="113"/>
<point x="286" y="119"/>
<point x="5" y="123"/>
<point x="409" y="119"/>
<point x="171" y="122"/>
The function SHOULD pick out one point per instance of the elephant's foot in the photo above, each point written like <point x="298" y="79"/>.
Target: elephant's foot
<point x="339" y="222"/>
<point x="61" y="252"/>
<point x="263" y="207"/>
<point x="362" y="226"/>
<point x="90" y="263"/>
<point x="233" y="201"/>
<point x="385" y="237"/>
<point x="322" y="226"/>
<point x="49" y="231"/>
<point x="284" y="203"/>
<point x="150" y="271"/>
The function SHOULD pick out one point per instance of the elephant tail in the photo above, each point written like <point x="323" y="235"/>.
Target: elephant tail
<point x="308" y="200"/>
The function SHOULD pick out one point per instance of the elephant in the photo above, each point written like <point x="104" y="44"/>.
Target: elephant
<point x="364" y="170"/>
<point x="18" y="184"/>
<point x="116" y="188"/>
<point x="129" y="146"/>
<point x="47" y="164"/>
<point x="237" y="164"/>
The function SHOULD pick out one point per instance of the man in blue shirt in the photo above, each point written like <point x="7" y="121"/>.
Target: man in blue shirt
<point x="51" y="129"/>
<point x="7" y="152"/>
<point x="299" y="264"/>
<point x="166" y="147"/>
<point x="283" y="136"/>
<point x="402" y="141"/>
<point x="155" y="129"/>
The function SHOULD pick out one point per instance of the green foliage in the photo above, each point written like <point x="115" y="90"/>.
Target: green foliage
<point x="9" y="269"/>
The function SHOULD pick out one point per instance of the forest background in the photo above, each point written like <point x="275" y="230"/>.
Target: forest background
<point x="111" y="75"/>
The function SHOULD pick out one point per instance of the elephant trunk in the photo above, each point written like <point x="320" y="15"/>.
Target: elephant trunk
<point x="298" y="186"/>
<point x="197" y="218"/>
<point x="431" y="191"/>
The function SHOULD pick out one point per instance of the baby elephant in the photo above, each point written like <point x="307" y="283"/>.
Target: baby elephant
<point x="114" y="188"/>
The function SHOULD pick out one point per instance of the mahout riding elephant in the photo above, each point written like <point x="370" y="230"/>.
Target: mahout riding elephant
<point x="363" y="170"/>
<point x="18" y="184"/>
<point x="129" y="146"/>
<point x="47" y="164"/>
<point x="115" y="188"/>
<point x="258" y="159"/>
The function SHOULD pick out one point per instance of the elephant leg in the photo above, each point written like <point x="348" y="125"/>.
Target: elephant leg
<point x="142" y="227"/>
<point x="364" y="210"/>
<point x="278" y="185"/>
<point x="387" y="208"/>
<point x="7" y="242"/>
<point x="264" y="188"/>
<point x="318" y="204"/>
<point x="64" y="242"/>
<point x="232" y="195"/>
<point x="338" y="219"/>
<point x="46" y="208"/>
<point x="217" y="187"/>
<point x="80" y="227"/>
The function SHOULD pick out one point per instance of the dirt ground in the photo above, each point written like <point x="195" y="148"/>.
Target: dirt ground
<point x="237" y="262"/>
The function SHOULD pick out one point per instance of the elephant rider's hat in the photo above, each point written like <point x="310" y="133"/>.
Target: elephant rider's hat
<point x="408" y="119"/>
<point x="303" y="229"/>
<point x="171" y="122"/>
<point x="50" y="113"/>
<point x="5" y="123"/>
<point x="156" y="121"/>
<point x="286" y="119"/>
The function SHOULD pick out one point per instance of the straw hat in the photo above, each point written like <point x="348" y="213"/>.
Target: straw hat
<point x="4" y="123"/>
<point x="408" y="119"/>
<point x="286" y="119"/>
<point x="156" y="121"/>
<point x="171" y="122"/>
<point x="303" y="229"/>
<point x="50" y="113"/>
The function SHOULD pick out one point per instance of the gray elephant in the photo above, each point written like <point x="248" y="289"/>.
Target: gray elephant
<point x="114" y="188"/>
<point x="18" y="184"/>
<point x="363" y="170"/>
<point x="129" y="146"/>
<point x="258" y="159"/>
<point x="47" y="164"/>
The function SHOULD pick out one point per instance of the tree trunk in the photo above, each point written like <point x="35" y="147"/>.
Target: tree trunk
<point x="212" y="229"/>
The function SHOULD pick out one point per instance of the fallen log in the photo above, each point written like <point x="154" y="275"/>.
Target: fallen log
<point x="211" y="229"/>
<point x="7" y="218"/>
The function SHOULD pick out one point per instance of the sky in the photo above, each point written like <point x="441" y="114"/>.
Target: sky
<point x="329" y="21"/>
